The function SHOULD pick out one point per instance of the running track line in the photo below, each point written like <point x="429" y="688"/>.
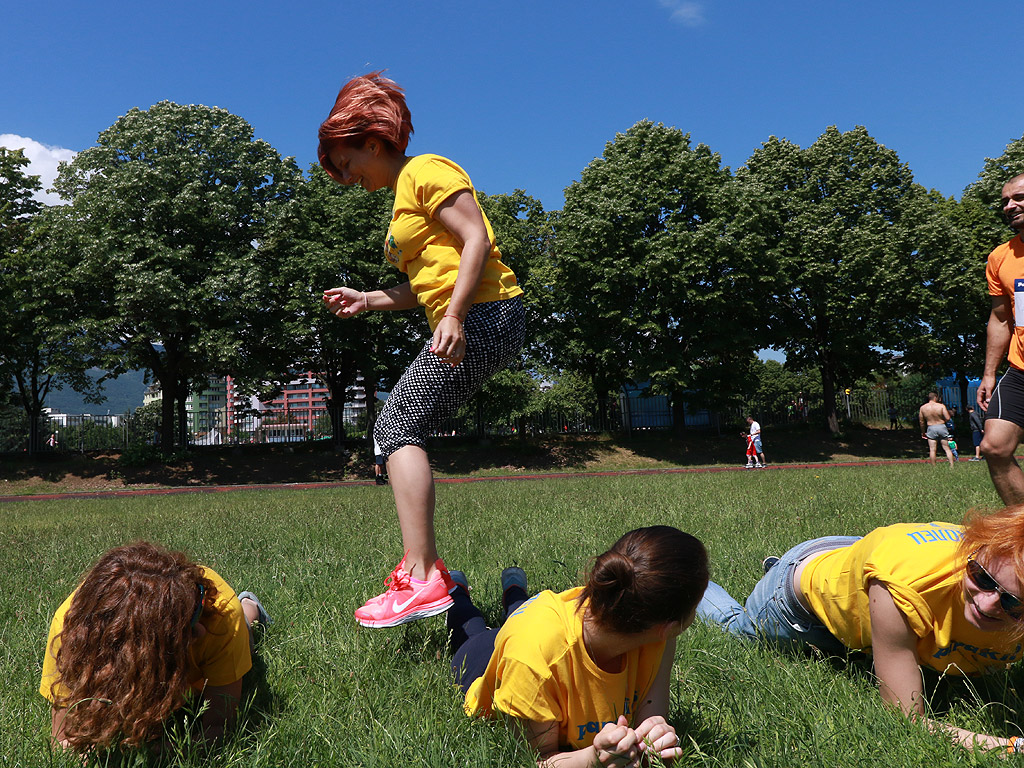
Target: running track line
<point x="443" y="480"/>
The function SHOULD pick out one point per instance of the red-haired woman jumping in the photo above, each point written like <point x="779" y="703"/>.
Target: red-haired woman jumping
<point x="144" y="627"/>
<point x="441" y="239"/>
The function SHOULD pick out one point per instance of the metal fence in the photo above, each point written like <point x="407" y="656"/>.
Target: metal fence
<point x="624" y="414"/>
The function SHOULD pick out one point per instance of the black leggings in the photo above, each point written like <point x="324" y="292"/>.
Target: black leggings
<point x="472" y="641"/>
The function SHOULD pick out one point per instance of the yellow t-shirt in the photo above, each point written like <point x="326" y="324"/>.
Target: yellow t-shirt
<point x="540" y="671"/>
<point x="1005" y="275"/>
<point x="220" y="657"/>
<point x="423" y="248"/>
<point x="919" y="565"/>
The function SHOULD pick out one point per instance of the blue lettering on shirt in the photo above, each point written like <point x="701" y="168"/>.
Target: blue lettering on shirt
<point x="595" y="727"/>
<point x="520" y="609"/>
<point x="984" y="653"/>
<point x="926" y="535"/>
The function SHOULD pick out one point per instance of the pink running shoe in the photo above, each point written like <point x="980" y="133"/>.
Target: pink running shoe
<point x="407" y="599"/>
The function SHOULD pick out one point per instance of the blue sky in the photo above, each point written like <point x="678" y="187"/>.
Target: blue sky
<point x="524" y="95"/>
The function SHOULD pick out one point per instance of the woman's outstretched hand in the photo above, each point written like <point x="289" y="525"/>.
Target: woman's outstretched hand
<point x="345" y="301"/>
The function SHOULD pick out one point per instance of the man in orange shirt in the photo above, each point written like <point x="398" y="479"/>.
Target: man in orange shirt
<point x="1003" y="403"/>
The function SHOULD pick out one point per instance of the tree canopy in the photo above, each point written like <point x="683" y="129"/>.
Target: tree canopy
<point x="168" y="211"/>
<point x="836" y="226"/>
<point x="648" y="281"/>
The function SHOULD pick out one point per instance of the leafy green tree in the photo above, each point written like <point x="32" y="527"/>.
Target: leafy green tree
<point x="836" y="238"/>
<point x="333" y="235"/>
<point x="42" y="335"/>
<point x="168" y="211"/>
<point x="953" y="302"/>
<point x="525" y="235"/>
<point x="987" y="189"/>
<point x="648" y="283"/>
<point x="772" y="386"/>
<point x="17" y="206"/>
<point x="508" y="397"/>
<point x="37" y="331"/>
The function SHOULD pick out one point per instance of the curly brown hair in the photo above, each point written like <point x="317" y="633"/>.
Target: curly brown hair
<point x="123" y="659"/>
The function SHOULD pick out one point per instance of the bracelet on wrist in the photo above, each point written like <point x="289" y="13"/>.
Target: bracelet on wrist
<point x="450" y="314"/>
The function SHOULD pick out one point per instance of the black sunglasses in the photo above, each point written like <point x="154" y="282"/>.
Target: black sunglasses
<point x="199" y="606"/>
<point x="984" y="581"/>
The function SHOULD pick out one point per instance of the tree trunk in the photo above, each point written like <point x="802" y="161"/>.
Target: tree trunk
<point x="678" y="414"/>
<point x="828" y="393"/>
<point x="168" y="391"/>
<point x="182" y="426"/>
<point x="962" y="380"/>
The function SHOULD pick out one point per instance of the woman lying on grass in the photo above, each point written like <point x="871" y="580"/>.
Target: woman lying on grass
<point x="937" y="595"/>
<point x="585" y="673"/>
<point x="143" y="628"/>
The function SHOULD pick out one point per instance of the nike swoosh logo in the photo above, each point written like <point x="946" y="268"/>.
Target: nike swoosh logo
<point x="399" y="607"/>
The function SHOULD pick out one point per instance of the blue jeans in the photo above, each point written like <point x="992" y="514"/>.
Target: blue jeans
<point x="773" y="611"/>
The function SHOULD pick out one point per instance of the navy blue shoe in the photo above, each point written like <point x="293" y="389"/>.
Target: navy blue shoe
<point x="460" y="580"/>
<point x="769" y="562"/>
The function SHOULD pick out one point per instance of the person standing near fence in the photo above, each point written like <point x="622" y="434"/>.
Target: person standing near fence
<point x="441" y="239"/>
<point x="977" y="431"/>
<point x="933" y="417"/>
<point x="1003" y="403"/>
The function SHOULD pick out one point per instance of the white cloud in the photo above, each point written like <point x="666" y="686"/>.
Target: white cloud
<point x="685" y="12"/>
<point x="42" y="160"/>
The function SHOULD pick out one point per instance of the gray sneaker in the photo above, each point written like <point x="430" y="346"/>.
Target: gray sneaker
<point x="512" y="578"/>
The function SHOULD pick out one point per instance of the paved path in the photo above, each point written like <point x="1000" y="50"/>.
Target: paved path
<point x="442" y="480"/>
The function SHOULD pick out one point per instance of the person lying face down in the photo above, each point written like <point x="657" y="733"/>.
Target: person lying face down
<point x="935" y="595"/>
<point x="143" y="629"/>
<point x="585" y="672"/>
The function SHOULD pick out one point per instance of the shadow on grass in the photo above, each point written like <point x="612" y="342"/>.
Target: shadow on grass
<point x="454" y="456"/>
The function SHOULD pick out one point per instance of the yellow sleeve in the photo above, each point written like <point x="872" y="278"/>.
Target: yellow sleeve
<point x="524" y="692"/>
<point x="437" y="180"/>
<point x="223" y="655"/>
<point x="50" y="654"/>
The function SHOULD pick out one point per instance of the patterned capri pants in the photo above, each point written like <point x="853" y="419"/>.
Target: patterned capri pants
<point x="431" y="390"/>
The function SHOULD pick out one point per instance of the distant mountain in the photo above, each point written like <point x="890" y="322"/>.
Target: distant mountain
<point x="123" y="394"/>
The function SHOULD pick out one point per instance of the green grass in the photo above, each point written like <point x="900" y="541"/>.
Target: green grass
<point x="326" y="692"/>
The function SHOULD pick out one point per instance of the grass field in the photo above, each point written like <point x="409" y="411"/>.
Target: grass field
<point x="326" y="692"/>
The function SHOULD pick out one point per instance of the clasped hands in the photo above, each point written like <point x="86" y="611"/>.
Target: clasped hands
<point x="619" y="746"/>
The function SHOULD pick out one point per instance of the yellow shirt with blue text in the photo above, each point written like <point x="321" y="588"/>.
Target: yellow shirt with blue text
<point x="920" y="566"/>
<point x="541" y="671"/>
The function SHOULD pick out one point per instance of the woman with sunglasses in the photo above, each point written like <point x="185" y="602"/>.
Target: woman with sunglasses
<point x="144" y="628"/>
<point x="934" y="595"/>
